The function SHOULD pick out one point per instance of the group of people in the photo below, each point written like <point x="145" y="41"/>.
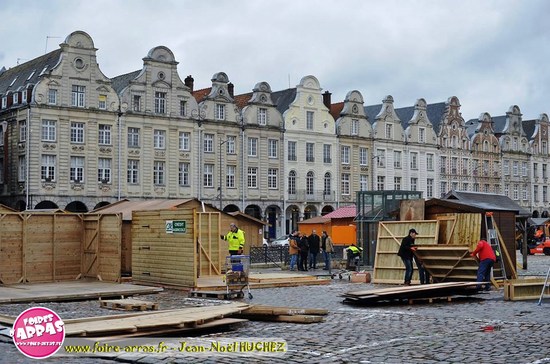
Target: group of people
<point x="484" y="251"/>
<point x="304" y="249"/>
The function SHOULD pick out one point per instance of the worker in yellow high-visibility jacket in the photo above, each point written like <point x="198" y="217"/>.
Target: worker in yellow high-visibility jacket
<point x="235" y="238"/>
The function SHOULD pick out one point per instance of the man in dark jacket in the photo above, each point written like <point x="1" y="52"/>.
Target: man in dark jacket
<point x="314" y="247"/>
<point x="406" y="254"/>
<point x="304" y="250"/>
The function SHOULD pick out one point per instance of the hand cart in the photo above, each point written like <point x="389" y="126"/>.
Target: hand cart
<point x="237" y="268"/>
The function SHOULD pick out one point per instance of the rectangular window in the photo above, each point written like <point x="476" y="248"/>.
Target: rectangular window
<point x="506" y="167"/>
<point x="310" y="152"/>
<point x="465" y="167"/>
<point x="252" y="177"/>
<point x="78" y="96"/>
<point x="515" y="193"/>
<point x="160" y="102"/>
<point x="454" y="165"/>
<point x="544" y="193"/>
<point x="443" y="165"/>
<point x="524" y="194"/>
<point x="363" y="182"/>
<point x="430" y="162"/>
<point x="465" y="186"/>
<point x="132" y="175"/>
<point x="414" y="184"/>
<point x="421" y="135"/>
<point x="185" y="141"/>
<point x="230" y="178"/>
<point x="158" y="172"/>
<point x="535" y="170"/>
<point x="292" y="151"/>
<point x="345" y="184"/>
<point x="77" y="132"/>
<point x="22" y="132"/>
<point x="309" y="120"/>
<point x="252" y="147"/>
<point x="381" y="158"/>
<point x="133" y="137"/>
<point x="22" y="168"/>
<point x="104" y="136"/>
<point x="363" y="156"/>
<point x="15" y="98"/>
<point x="102" y="102"/>
<point x="183" y="108"/>
<point x="429" y="188"/>
<point x="104" y="170"/>
<point x="397" y="159"/>
<point x="48" y="130"/>
<point x="183" y="174"/>
<point x="381" y="183"/>
<point x="515" y="168"/>
<point x="414" y="161"/>
<point x="544" y="147"/>
<point x="136" y="103"/>
<point x="354" y="127"/>
<point x="443" y="187"/>
<point x="272" y="148"/>
<point x="524" y="169"/>
<point x="262" y="116"/>
<point x="507" y="190"/>
<point x="47" y="169"/>
<point x="208" y="143"/>
<point x="230" y="144"/>
<point x="52" y="97"/>
<point x="272" y="175"/>
<point x="389" y="131"/>
<point x="327" y="153"/>
<point x="208" y="175"/>
<point x="544" y="170"/>
<point x="24" y="96"/>
<point x="159" y="139"/>
<point x="344" y="157"/>
<point x="397" y="183"/>
<point x="220" y="112"/>
<point x="76" y="173"/>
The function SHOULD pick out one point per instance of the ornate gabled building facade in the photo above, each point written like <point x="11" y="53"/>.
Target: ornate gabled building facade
<point x="310" y="140"/>
<point x="485" y="155"/>
<point x="355" y="146"/>
<point x="516" y="154"/>
<point x="537" y="132"/>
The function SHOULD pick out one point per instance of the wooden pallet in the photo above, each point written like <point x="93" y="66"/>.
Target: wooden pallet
<point x="129" y="304"/>
<point x="217" y="294"/>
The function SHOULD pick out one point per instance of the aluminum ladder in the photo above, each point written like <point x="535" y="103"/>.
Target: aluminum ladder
<point x="546" y="285"/>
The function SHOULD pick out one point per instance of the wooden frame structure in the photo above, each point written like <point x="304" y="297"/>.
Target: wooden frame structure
<point x="40" y="247"/>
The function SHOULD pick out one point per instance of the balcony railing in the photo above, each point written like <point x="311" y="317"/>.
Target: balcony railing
<point x="313" y="196"/>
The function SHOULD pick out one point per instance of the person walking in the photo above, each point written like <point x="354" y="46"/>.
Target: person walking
<point x="314" y="247"/>
<point x="405" y="252"/>
<point x="487" y="259"/>
<point x="293" y="249"/>
<point x="235" y="239"/>
<point x="304" y="251"/>
<point x="328" y="250"/>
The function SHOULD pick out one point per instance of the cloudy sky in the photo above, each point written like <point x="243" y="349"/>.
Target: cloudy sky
<point x="491" y="54"/>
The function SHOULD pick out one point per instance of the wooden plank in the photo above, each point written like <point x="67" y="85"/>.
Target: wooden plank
<point x="290" y="311"/>
<point x="298" y="319"/>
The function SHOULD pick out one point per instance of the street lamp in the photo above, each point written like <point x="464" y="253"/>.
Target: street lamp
<point x="222" y="142"/>
<point x="372" y="171"/>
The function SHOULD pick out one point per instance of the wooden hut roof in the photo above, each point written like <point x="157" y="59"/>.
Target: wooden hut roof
<point x="486" y="201"/>
<point x="125" y="207"/>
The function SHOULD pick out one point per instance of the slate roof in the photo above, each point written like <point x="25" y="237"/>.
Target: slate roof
<point x="283" y="99"/>
<point x="471" y="126"/>
<point x="120" y="82"/>
<point x="499" y="122"/>
<point x="23" y="71"/>
<point x="371" y="111"/>
<point x="529" y="128"/>
<point x="486" y="201"/>
<point x="433" y="111"/>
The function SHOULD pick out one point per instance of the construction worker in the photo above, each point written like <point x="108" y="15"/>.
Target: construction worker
<point x="354" y="255"/>
<point x="539" y="234"/>
<point x="487" y="259"/>
<point x="235" y="238"/>
<point x="406" y="254"/>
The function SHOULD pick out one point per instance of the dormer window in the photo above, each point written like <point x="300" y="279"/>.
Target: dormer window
<point x="15" y="98"/>
<point x="24" y="96"/>
<point x="4" y="102"/>
<point x="220" y="112"/>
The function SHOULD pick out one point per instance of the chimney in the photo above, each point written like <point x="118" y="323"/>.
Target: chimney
<point x="326" y="99"/>
<point x="231" y="89"/>
<point x="189" y="81"/>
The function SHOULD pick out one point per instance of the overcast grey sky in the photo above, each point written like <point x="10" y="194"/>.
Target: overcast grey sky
<point x="490" y="54"/>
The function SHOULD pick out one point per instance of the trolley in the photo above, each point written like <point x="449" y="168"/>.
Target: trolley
<point x="237" y="268"/>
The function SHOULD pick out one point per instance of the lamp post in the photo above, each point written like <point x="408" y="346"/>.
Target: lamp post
<point x="222" y="142"/>
<point x="372" y="171"/>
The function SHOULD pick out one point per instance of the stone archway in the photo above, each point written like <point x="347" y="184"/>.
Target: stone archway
<point x="326" y="210"/>
<point x="21" y="205"/>
<point x="310" y="211"/>
<point x="273" y="216"/>
<point x="292" y="217"/>
<point x="535" y="214"/>
<point x="76" y="206"/>
<point x="46" y="205"/>
<point x="101" y="204"/>
<point x="254" y="211"/>
<point x="231" y="208"/>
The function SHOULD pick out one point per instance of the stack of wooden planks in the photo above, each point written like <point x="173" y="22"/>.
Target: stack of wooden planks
<point x="283" y="314"/>
<point x="524" y="289"/>
<point x="411" y="294"/>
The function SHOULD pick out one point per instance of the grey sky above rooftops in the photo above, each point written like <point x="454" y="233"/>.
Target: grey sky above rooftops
<point x="491" y="54"/>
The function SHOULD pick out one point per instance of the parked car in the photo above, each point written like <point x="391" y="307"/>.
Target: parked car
<point x="280" y="241"/>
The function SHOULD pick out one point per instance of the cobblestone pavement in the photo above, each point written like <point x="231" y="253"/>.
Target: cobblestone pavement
<point x="483" y="329"/>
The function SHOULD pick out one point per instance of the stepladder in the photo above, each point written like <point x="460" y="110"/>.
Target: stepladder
<point x="499" y="269"/>
<point x="545" y="287"/>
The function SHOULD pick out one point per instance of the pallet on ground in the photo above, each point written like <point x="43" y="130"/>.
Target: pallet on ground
<point x="283" y="314"/>
<point x="128" y="304"/>
<point x="222" y="295"/>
